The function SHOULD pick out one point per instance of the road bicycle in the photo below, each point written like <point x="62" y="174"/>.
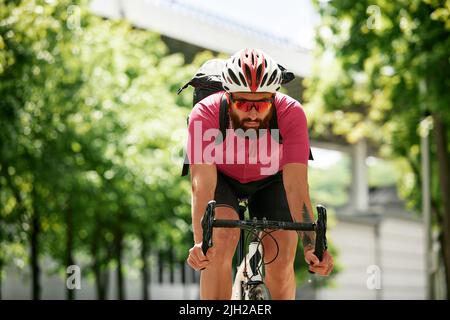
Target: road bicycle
<point x="249" y="279"/>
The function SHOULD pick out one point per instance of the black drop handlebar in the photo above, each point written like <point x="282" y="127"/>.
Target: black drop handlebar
<point x="320" y="227"/>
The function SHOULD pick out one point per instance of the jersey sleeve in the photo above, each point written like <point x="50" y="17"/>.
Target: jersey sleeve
<point x="202" y="132"/>
<point x="294" y="130"/>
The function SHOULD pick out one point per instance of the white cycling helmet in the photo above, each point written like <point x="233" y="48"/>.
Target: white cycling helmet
<point x="251" y="70"/>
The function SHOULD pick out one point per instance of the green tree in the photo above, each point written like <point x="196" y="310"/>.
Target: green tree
<point x="91" y="129"/>
<point x="387" y="66"/>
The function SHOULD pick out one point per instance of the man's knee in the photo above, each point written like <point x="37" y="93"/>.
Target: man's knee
<point x="226" y="239"/>
<point x="282" y="268"/>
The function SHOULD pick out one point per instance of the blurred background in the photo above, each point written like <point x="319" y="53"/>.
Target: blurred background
<point x="92" y="131"/>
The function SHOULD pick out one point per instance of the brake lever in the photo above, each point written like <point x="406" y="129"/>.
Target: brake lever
<point x="206" y="222"/>
<point x="321" y="233"/>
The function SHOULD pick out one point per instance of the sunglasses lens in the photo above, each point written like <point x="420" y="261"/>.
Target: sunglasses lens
<point x="242" y="105"/>
<point x="246" y="106"/>
<point x="263" y="106"/>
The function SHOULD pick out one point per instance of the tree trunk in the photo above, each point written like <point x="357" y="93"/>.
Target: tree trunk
<point x="171" y="265"/>
<point x="70" y="293"/>
<point x="1" y="260"/>
<point x="99" y="282"/>
<point x="101" y="279"/>
<point x="1" y="269"/>
<point x="160" y="267"/>
<point x="145" y="268"/>
<point x="444" y="172"/>
<point x="104" y="276"/>
<point x="118" y="246"/>
<point x="444" y="248"/>
<point x="35" y="231"/>
<point x="20" y="206"/>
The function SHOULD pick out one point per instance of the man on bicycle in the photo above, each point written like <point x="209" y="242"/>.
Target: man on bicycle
<point x="251" y="162"/>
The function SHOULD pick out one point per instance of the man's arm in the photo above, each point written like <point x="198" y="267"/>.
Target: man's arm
<point x="295" y="180"/>
<point x="204" y="180"/>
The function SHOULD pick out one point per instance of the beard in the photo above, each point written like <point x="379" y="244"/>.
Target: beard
<point x="240" y="124"/>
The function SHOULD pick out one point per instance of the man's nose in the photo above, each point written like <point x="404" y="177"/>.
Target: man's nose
<point x="253" y="114"/>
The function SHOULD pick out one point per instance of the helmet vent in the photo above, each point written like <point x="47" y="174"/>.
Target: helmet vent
<point x="233" y="77"/>
<point x="248" y="75"/>
<point x="272" y="77"/>
<point x="258" y="73"/>
<point x="241" y="76"/>
<point x="263" y="80"/>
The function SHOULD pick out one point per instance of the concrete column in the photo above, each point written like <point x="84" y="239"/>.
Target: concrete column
<point x="360" y="185"/>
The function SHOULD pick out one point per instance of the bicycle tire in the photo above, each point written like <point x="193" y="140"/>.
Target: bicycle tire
<point x="259" y="292"/>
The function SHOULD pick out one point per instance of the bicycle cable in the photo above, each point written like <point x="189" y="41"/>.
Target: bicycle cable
<point x="251" y="231"/>
<point x="268" y="233"/>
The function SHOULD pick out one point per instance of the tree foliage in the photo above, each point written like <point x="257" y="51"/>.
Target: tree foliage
<point x="383" y="76"/>
<point x="91" y="129"/>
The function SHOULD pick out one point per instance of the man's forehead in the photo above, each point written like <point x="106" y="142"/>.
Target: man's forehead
<point x="252" y="95"/>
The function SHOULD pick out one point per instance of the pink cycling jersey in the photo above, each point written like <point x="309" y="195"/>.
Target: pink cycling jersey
<point x="242" y="158"/>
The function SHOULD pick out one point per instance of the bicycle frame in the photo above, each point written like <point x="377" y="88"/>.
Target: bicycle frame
<point x="249" y="270"/>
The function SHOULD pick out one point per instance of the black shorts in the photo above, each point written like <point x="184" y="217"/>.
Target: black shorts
<point x="266" y="197"/>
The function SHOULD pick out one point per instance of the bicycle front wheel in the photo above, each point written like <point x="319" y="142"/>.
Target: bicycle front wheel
<point x="259" y="292"/>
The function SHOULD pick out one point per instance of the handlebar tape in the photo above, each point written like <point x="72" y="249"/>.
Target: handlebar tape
<point x="207" y="221"/>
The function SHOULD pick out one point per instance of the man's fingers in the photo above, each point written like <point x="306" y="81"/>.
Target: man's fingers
<point x="319" y="270"/>
<point x="192" y="263"/>
<point x="311" y="259"/>
<point x="199" y="253"/>
<point x="198" y="259"/>
<point x="330" y="268"/>
<point x="323" y="267"/>
<point x="330" y="265"/>
<point x="203" y="260"/>
<point x="195" y="263"/>
<point x="314" y="259"/>
<point x="318" y="267"/>
<point x="202" y="263"/>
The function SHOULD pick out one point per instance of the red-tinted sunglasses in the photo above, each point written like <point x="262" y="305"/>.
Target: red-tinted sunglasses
<point x="247" y="105"/>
